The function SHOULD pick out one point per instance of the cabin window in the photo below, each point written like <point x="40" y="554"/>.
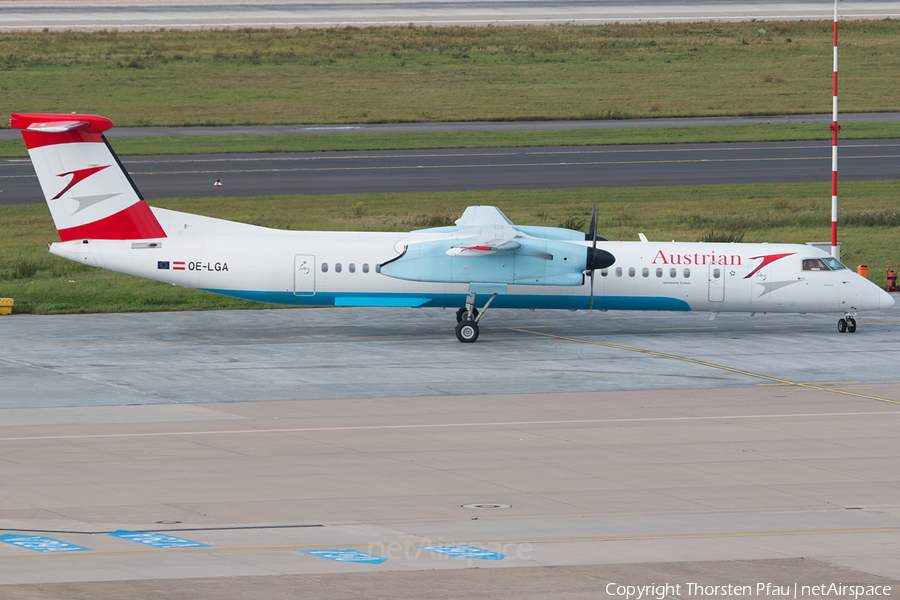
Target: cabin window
<point x="604" y="272"/>
<point x="645" y="272"/>
<point x="631" y="271"/>
<point x="716" y="273"/>
<point x="365" y="267"/>
<point x="618" y="271"/>
<point x="814" y="264"/>
<point x="659" y="271"/>
<point x="687" y="273"/>
<point x="673" y="272"/>
<point x="337" y="267"/>
<point x="378" y="268"/>
<point x="352" y="267"/>
<point x="324" y="267"/>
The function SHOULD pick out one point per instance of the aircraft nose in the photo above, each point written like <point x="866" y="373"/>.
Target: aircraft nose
<point x="885" y="301"/>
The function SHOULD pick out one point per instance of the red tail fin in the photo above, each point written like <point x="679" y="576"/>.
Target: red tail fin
<point x="89" y="192"/>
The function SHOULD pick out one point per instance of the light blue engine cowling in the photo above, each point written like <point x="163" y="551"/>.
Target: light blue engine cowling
<point x="534" y="262"/>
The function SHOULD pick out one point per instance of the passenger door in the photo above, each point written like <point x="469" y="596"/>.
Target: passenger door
<point x="304" y="275"/>
<point x="716" y="283"/>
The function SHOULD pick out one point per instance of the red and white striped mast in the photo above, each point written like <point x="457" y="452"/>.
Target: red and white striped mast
<point x="835" y="251"/>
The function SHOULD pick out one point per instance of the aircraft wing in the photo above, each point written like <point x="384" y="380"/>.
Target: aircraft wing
<point x="485" y="247"/>
<point x="487" y="231"/>
<point x="477" y="216"/>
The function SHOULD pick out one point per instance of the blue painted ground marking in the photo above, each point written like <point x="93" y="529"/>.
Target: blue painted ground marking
<point x="465" y="552"/>
<point x="40" y="544"/>
<point x="157" y="540"/>
<point x="347" y="555"/>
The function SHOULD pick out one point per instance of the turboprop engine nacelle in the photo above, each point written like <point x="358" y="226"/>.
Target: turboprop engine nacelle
<point x="533" y="262"/>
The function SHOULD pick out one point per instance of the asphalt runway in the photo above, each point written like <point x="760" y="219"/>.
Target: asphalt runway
<point x="459" y="126"/>
<point x="210" y="14"/>
<point x="365" y="453"/>
<point x="310" y="354"/>
<point x="484" y="169"/>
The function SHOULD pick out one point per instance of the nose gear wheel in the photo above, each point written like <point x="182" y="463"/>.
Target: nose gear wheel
<point x="847" y="325"/>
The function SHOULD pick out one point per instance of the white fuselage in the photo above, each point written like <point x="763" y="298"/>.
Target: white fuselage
<point x="343" y="269"/>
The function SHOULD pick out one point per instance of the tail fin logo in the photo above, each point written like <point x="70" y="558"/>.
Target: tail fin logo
<point x="77" y="177"/>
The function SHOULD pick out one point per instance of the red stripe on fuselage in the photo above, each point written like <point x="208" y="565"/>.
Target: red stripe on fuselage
<point x="137" y="222"/>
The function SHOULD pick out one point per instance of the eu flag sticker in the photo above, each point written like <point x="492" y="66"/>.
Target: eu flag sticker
<point x="465" y="552"/>
<point x="40" y="544"/>
<point x="347" y="555"/>
<point x="157" y="540"/>
<point x="162" y="264"/>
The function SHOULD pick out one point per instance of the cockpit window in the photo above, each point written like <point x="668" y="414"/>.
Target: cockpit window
<point x="834" y="263"/>
<point x="814" y="264"/>
<point x="822" y="264"/>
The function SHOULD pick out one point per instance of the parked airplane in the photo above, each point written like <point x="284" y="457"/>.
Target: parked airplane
<point x="104" y="221"/>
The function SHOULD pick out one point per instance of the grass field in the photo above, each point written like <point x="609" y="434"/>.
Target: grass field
<point x="387" y="74"/>
<point x="761" y="131"/>
<point x="797" y="213"/>
<point x="392" y="74"/>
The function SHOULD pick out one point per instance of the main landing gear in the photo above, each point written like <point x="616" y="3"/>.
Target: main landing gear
<point x="463" y="315"/>
<point x="847" y="325"/>
<point x="467" y="319"/>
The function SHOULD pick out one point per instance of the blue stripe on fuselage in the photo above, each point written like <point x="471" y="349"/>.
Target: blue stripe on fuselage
<point x="458" y="300"/>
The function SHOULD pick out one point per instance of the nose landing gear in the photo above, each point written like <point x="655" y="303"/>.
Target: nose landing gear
<point x="847" y="325"/>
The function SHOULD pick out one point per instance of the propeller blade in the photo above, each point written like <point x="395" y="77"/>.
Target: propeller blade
<point x="592" y="289"/>
<point x="596" y="259"/>
<point x="592" y="230"/>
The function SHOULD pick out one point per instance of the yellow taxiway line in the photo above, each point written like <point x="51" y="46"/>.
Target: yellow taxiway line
<point x="808" y="386"/>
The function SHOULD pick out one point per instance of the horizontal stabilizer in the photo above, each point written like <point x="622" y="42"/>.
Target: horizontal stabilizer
<point x="56" y="127"/>
<point x="47" y="123"/>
